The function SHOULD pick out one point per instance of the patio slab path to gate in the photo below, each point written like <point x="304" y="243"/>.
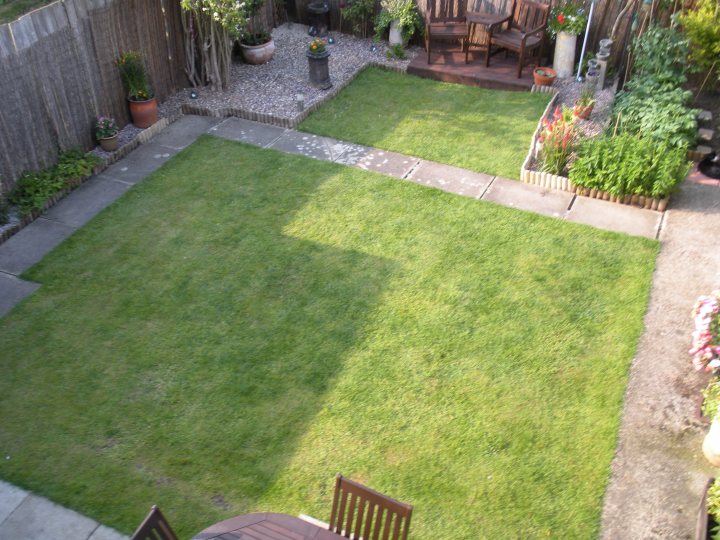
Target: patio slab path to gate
<point x="658" y="455"/>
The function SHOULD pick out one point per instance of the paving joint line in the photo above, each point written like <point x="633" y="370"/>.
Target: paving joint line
<point x="490" y="183"/>
<point x="268" y="145"/>
<point x="412" y="169"/>
<point x="25" y="498"/>
<point x="572" y="202"/>
<point x="661" y="226"/>
<point x="93" y="531"/>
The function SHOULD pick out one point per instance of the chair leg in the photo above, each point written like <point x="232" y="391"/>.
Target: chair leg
<point x="520" y="62"/>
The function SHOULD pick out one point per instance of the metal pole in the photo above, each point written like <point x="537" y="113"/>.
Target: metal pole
<point x="587" y="33"/>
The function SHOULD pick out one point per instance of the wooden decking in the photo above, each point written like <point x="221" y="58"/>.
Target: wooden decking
<point x="448" y="64"/>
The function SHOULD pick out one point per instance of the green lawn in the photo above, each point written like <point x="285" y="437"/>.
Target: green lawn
<point x="244" y="324"/>
<point x="483" y="130"/>
<point x="12" y="9"/>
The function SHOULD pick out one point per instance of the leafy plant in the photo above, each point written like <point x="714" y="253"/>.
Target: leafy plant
<point x="35" y="188"/>
<point x="627" y="164"/>
<point x="713" y="502"/>
<point x="317" y="46"/>
<point x="711" y="399"/>
<point x="405" y="12"/>
<point x="705" y="349"/>
<point x="4" y="208"/>
<point x="255" y="38"/>
<point x="558" y="141"/>
<point x="358" y="13"/>
<point x="134" y="76"/>
<point x="105" y="127"/>
<point x="702" y="27"/>
<point x="396" y="51"/>
<point x="653" y="102"/>
<point x="567" y="17"/>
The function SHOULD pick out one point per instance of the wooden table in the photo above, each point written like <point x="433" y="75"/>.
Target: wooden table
<point x="265" y="526"/>
<point x="485" y="19"/>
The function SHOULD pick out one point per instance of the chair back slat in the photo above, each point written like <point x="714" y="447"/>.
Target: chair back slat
<point x="360" y="512"/>
<point x="446" y="10"/>
<point x="154" y="527"/>
<point x="531" y="15"/>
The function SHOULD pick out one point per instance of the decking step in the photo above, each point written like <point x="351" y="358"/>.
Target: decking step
<point x="699" y="153"/>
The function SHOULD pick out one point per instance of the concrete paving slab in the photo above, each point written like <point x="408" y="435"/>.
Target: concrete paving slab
<point x="106" y="533"/>
<point x="385" y="162"/>
<point x="312" y="146"/>
<point x="85" y="202"/>
<point x="142" y="161"/>
<point x="615" y="217"/>
<point x="516" y="194"/>
<point x="39" y="519"/>
<point x="12" y="291"/>
<point x="10" y="496"/>
<point x="185" y="130"/>
<point x="238" y="129"/>
<point x="31" y="244"/>
<point x="449" y="178"/>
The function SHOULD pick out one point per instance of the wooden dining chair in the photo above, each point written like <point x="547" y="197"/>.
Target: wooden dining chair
<point x="361" y="512"/>
<point x="525" y="31"/>
<point x="154" y="527"/>
<point x="445" y="20"/>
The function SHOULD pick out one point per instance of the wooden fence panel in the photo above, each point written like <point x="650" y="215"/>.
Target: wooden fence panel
<point x="57" y="73"/>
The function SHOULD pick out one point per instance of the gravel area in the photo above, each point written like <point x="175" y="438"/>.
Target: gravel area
<point x="569" y="92"/>
<point x="272" y="88"/>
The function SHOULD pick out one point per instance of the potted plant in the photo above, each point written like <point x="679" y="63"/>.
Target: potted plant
<point x="318" y="55"/>
<point x="567" y="21"/>
<point x="584" y="106"/>
<point x="106" y="133"/>
<point x="544" y="76"/>
<point x="143" y="105"/>
<point x="257" y="47"/>
<point x="400" y="18"/>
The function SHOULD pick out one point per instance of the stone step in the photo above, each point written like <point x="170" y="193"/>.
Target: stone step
<point x="706" y="134"/>
<point x="704" y="117"/>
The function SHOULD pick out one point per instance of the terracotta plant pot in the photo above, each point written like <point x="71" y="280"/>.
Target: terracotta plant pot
<point x="258" y="54"/>
<point x="544" y="76"/>
<point x="583" y="112"/>
<point x="109" y="144"/>
<point x="144" y="113"/>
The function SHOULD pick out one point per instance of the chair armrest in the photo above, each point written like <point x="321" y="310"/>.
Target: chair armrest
<point x="533" y="32"/>
<point x="501" y="22"/>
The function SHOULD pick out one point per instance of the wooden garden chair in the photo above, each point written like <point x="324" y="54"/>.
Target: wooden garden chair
<point x="360" y="512"/>
<point x="154" y="527"/>
<point x="525" y="31"/>
<point x="445" y="20"/>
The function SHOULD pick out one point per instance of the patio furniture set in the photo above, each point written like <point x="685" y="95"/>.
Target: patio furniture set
<point x="357" y="512"/>
<point x="522" y="31"/>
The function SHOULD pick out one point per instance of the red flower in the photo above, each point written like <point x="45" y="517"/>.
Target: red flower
<point x="561" y="18"/>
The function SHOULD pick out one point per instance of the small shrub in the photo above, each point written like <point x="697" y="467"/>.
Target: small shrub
<point x="255" y="38"/>
<point x="4" y="209"/>
<point x="396" y="51"/>
<point x="713" y="504"/>
<point x="358" y="13"/>
<point x="629" y="165"/>
<point x="705" y="349"/>
<point x="35" y="188"/>
<point x="702" y="27"/>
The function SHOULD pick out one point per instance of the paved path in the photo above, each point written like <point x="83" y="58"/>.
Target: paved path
<point x="659" y="471"/>
<point x="24" y="516"/>
<point x="660" y="359"/>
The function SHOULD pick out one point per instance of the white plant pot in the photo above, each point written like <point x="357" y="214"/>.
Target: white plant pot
<point x="395" y="37"/>
<point x="711" y="444"/>
<point x="564" y="60"/>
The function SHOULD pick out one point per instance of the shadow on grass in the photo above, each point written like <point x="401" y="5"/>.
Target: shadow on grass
<point x="192" y="342"/>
